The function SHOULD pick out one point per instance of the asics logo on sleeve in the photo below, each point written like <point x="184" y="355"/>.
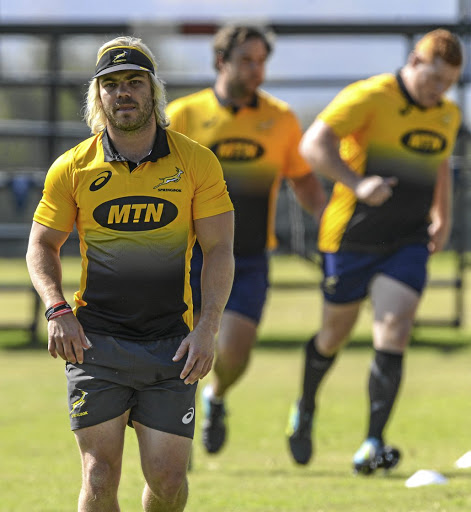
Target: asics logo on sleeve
<point x="188" y="418"/>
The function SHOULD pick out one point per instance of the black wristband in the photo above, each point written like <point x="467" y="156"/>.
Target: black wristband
<point x="54" y="309"/>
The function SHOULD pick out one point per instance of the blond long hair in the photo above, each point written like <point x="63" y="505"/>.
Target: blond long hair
<point x="94" y="114"/>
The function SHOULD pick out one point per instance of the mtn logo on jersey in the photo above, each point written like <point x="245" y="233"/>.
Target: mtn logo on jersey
<point x="135" y="213"/>
<point x="237" y="150"/>
<point x="424" y="141"/>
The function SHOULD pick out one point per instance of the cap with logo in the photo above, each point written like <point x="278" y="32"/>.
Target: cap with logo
<point x="120" y="58"/>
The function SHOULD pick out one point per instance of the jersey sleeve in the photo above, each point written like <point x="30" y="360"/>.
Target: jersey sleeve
<point x="211" y="195"/>
<point x="295" y="166"/>
<point x="350" y="110"/>
<point x="57" y="208"/>
<point x="455" y="127"/>
<point x="176" y="114"/>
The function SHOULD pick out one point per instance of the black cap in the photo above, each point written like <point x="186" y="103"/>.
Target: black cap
<point x="120" y="58"/>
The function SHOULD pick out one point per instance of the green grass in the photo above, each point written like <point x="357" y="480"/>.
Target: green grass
<point x="292" y="312"/>
<point x="39" y="461"/>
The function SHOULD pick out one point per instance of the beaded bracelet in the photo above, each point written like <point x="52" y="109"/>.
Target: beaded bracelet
<point x="59" y="309"/>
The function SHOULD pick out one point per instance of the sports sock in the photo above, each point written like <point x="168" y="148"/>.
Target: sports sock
<point x="315" y="367"/>
<point x="208" y="392"/>
<point x="383" y="386"/>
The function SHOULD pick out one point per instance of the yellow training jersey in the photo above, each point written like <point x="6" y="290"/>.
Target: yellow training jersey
<point x="383" y="132"/>
<point x="256" y="146"/>
<point x="135" y="228"/>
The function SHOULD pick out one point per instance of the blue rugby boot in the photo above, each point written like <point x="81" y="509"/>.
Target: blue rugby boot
<point x="373" y="454"/>
<point x="214" y="427"/>
<point x="299" y="432"/>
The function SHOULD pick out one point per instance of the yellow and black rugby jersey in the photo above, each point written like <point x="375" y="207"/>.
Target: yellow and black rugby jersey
<point x="136" y="230"/>
<point x="384" y="133"/>
<point x="257" y="146"/>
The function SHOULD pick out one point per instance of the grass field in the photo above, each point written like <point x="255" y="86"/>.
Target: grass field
<point x="39" y="461"/>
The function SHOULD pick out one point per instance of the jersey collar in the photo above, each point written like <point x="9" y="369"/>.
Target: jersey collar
<point x="235" y="108"/>
<point x="410" y="100"/>
<point x="159" y="149"/>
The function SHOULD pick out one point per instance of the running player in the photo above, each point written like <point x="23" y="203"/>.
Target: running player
<point x="385" y="142"/>
<point x="255" y="137"/>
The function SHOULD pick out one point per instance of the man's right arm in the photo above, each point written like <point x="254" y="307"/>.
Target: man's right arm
<point x="65" y="334"/>
<point x="320" y="147"/>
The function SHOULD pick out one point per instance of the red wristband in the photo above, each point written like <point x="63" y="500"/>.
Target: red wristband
<point x="60" y="313"/>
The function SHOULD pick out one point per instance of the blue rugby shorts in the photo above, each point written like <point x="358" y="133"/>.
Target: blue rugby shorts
<point x="347" y="274"/>
<point x="249" y="289"/>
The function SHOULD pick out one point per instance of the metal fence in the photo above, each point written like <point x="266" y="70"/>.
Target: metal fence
<point x="40" y="118"/>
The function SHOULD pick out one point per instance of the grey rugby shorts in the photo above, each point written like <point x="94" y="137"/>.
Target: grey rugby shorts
<point x="118" y="374"/>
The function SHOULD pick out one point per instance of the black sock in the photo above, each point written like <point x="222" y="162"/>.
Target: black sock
<point x="315" y="367"/>
<point x="383" y="386"/>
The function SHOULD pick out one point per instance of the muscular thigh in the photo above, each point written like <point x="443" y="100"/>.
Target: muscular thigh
<point x="162" y="451"/>
<point x="394" y="306"/>
<point x="103" y="442"/>
<point x="395" y="294"/>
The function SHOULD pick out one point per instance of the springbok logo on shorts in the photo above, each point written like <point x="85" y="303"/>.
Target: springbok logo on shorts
<point x="329" y="284"/>
<point x="188" y="418"/>
<point x="78" y="403"/>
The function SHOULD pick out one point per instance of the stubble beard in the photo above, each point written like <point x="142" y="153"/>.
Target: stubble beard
<point x="239" y="89"/>
<point x="131" y="124"/>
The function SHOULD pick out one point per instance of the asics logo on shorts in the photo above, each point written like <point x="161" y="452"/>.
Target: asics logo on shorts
<point x="188" y="418"/>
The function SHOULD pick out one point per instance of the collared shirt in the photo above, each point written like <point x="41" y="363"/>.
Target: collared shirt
<point x="159" y="150"/>
<point x="384" y="132"/>
<point x="136" y="230"/>
<point x="253" y="103"/>
<point x="257" y="146"/>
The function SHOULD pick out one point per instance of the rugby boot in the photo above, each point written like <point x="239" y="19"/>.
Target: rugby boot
<point x="214" y="427"/>
<point x="373" y="454"/>
<point x="299" y="432"/>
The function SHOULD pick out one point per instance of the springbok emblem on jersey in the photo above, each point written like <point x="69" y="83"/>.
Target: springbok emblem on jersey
<point x="170" y="179"/>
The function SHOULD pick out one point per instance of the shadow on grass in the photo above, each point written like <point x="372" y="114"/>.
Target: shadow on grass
<point x="18" y="340"/>
<point x="443" y="340"/>
<point x="308" y="473"/>
<point x="447" y="343"/>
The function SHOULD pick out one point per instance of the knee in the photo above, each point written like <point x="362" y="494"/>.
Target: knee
<point x="394" y="331"/>
<point x="101" y="477"/>
<point x="329" y="340"/>
<point x="167" y="484"/>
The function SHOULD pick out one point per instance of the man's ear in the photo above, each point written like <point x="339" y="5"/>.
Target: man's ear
<point x="413" y="59"/>
<point x="219" y="61"/>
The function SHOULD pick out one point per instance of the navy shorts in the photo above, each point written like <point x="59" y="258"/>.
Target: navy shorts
<point x="347" y="275"/>
<point x="249" y="289"/>
<point x="118" y="374"/>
